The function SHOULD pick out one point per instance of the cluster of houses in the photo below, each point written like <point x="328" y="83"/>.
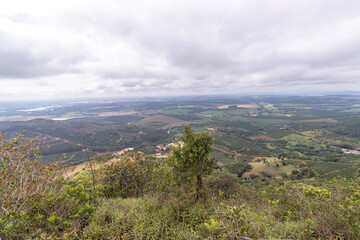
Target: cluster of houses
<point x="161" y="148"/>
<point x="283" y="126"/>
<point x="164" y="149"/>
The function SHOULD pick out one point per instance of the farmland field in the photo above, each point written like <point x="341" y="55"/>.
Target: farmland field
<point x="310" y="129"/>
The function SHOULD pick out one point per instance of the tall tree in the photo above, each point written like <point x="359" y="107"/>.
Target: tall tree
<point x="191" y="158"/>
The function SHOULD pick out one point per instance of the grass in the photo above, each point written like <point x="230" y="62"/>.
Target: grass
<point x="273" y="167"/>
<point x="255" y="210"/>
<point x="326" y="169"/>
<point x="342" y="173"/>
<point x="295" y="139"/>
<point x="269" y="106"/>
<point x="144" y="218"/>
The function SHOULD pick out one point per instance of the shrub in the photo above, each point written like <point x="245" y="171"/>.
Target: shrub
<point x="126" y="177"/>
<point x="221" y="181"/>
<point x="238" y="168"/>
<point x="34" y="200"/>
<point x="145" y="218"/>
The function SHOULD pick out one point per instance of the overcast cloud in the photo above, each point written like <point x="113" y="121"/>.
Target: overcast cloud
<point x="58" y="49"/>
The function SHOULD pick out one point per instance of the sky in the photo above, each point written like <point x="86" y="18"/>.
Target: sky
<point x="104" y="48"/>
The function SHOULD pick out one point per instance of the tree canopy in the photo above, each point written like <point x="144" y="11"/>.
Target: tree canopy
<point x="191" y="158"/>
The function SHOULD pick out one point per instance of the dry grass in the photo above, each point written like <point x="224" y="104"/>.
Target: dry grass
<point x="269" y="167"/>
<point x="116" y="113"/>
<point x="70" y="171"/>
<point x="326" y="120"/>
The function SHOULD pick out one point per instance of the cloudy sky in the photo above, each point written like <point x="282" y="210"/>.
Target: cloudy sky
<point x="104" y="48"/>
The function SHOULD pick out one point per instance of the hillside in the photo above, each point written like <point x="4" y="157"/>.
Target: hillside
<point x="313" y="128"/>
<point x="136" y="196"/>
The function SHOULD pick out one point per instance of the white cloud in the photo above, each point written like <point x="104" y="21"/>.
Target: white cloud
<point x="105" y="48"/>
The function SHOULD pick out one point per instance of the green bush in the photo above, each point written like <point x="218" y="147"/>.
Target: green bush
<point x="223" y="182"/>
<point x="35" y="202"/>
<point x="126" y="177"/>
<point x="238" y="168"/>
<point x="144" y="218"/>
<point x="144" y="201"/>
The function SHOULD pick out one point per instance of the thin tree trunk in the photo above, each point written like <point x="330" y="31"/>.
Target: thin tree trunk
<point x="199" y="186"/>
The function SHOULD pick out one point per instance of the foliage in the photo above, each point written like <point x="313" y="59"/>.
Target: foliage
<point x="142" y="198"/>
<point x="34" y="200"/>
<point x="145" y="218"/>
<point x="163" y="183"/>
<point x="222" y="182"/>
<point x="238" y="168"/>
<point x="357" y="169"/>
<point x="191" y="160"/>
<point x="22" y="177"/>
<point x="258" y="210"/>
<point x="127" y="177"/>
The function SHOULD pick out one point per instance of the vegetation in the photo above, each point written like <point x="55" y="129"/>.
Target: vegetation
<point x="282" y="169"/>
<point x="191" y="159"/>
<point x="126" y="177"/>
<point x="35" y="201"/>
<point x="136" y="197"/>
<point x="311" y="128"/>
<point x="238" y="168"/>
